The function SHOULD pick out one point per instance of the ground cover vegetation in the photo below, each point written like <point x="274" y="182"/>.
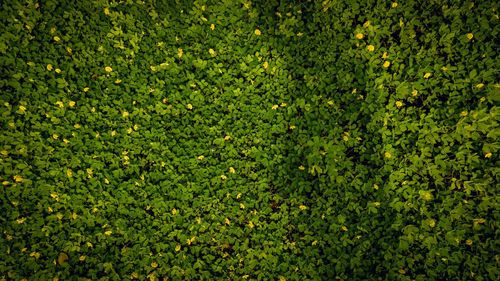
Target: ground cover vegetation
<point x="249" y="140"/>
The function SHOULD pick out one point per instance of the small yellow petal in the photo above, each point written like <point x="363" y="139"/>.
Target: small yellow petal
<point x="360" y="36"/>
<point x="470" y="36"/>
<point x="49" y="67"/>
<point x="370" y="48"/>
<point x="212" y="26"/>
<point x="108" y="69"/>
<point x="258" y="32"/>
<point x="387" y="64"/>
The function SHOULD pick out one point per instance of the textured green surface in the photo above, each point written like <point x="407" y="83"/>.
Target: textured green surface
<point x="265" y="140"/>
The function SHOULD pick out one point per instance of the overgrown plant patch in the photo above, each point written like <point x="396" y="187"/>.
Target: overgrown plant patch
<point x="249" y="140"/>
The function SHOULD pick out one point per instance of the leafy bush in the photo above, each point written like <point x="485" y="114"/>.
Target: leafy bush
<point x="268" y="140"/>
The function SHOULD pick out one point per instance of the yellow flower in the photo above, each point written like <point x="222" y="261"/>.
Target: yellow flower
<point x="444" y="68"/>
<point x="242" y="206"/>
<point x="275" y="107"/>
<point x="300" y="34"/>
<point x="50" y="210"/>
<point x="302" y="168"/>
<point x="343" y="228"/>
<point x="174" y="211"/>
<point x="480" y="85"/>
<point x="108" y="232"/>
<point x="250" y="224"/>
<point x="488" y="155"/>
<point x="69" y="173"/>
<point x="370" y="48"/>
<point x="387" y="155"/>
<point x="227" y="137"/>
<point x="118" y="81"/>
<point x="303" y="207"/>
<point x="177" y="248"/>
<point x="36" y="255"/>
<point x="238" y="196"/>
<point x="49" y="67"/>
<point x="468" y="242"/>
<point x="376" y="204"/>
<point x="106" y="181"/>
<point x="257" y="32"/>
<point x="69" y="50"/>
<point x="5" y="183"/>
<point x="189" y="106"/>
<point x="426" y="195"/>
<point x="385" y="55"/>
<point x="130" y="130"/>
<point x="414" y="93"/>
<point x="223" y="177"/>
<point x="387" y="64"/>
<point x="201" y="157"/>
<point x="292" y="127"/>
<point x="470" y="36"/>
<point x="58" y="71"/>
<point x="283" y="104"/>
<point x="375" y="186"/>
<point x="57" y="39"/>
<point x="71" y="103"/>
<point x="60" y="104"/>
<point x="212" y="26"/>
<point x="394" y="4"/>
<point x="366" y="24"/>
<point x="22" y="109"/>
<point x="108" y="69"/>
<point x="212" y="52"/>
<point x="282" y="278"/>
<point x="18" y="178"/>
<point x="180" y="52"/>
<point x="134" y="275"/>
<point x="227" y="221"/>
<point x="431" y="222"/>
<point x="74" y="216"/>
<point x="463" y="113"/>
<point x="399" y="104"/>
<point x="232" y="170"/>
<point x="113" y="133"/>
<point x="92" y="109"/>
<point x="190" y="241"/>
<point x="77" y="126"/>
<point x="427" y="75"/>
<point x="82" y="258"/>
<point x="106" y="11"/>
<point x="360" y="36"/>
<point x="125" y="114"/>
<point x="154" y="264"/>
<point x="20" y="220"/>
<point x="86" y="89"/>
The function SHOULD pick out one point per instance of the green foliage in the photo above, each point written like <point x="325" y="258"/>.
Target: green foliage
<point x="268" y="140"/>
